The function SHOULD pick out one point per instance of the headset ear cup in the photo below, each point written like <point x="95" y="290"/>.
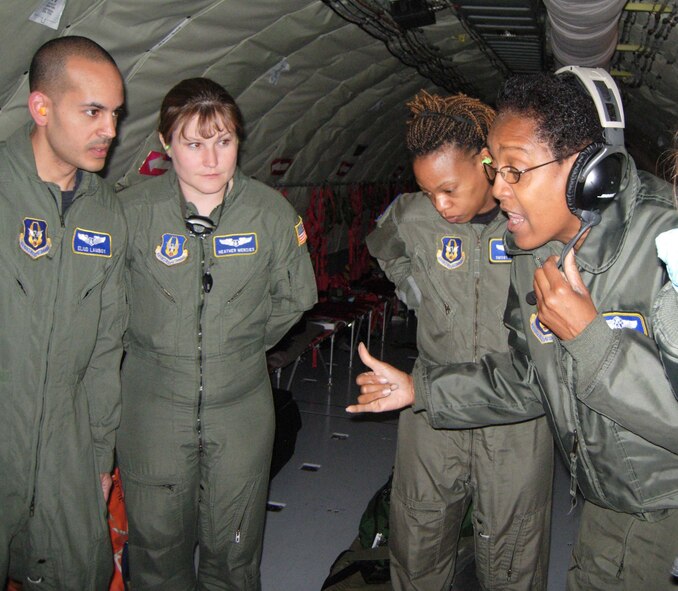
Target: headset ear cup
<point x="578" y="194"/>
<point x="573" y="181"/>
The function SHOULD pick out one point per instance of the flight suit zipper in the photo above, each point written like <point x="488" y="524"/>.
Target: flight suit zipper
<point x="243" y="512"/>
<point x="573" y="471"/>
<point x="201" y="361"/>
<point x="573" y="453"/>
<point x="578" y="453"/>
<point x="622" y="558"/>
<point x="31" y="510"/>
<point x="509" y="570"/>
<point x="476" y="289"/>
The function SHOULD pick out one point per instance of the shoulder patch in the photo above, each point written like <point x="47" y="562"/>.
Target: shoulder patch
<point x="632" y="320"/>
<point x="497" y="251"/>
<point x="91" y="243"/>
<point x="235" y="244"/>
<point x="34" y="240"/>
<point x="172" y="250"/>
<point x="451" y="254"/>
<point x="300" y="232"/>
<point x="543" y="334"/>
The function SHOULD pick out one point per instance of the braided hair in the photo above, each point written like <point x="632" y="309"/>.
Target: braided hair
<point x="459" y="120"/>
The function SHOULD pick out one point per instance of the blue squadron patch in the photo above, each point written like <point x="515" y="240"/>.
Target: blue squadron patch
<point x="33" y="240"/>
<point x="451" y="254"/>
<point x="543" y="334"/>
<point x="91" y="243"/>
<point x="235" y="244"/>
<point x="632" y="320"/>
<point x="498" y="251"/>
<point x="172" y="250"/>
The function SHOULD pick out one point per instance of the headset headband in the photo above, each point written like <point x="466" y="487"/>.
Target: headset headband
<point x="605" y="94"/>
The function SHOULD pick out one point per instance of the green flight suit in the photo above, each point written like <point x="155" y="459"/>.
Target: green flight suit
<point x="609" y="403"/>
<point x="197" y="420"/>
<point x="62" y="312"/>
<point x="456" y="277"/>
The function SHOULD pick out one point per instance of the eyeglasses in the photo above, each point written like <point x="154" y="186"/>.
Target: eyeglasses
<point x="510" y="173"/>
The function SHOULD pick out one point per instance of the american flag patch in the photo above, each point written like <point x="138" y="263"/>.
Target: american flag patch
<point x="301" y="232"/>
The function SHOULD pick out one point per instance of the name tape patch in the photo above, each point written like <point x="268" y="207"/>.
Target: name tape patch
<point x="632" y="320"/>
<point x="235" y="244"/>
<point x="91" y="243"/>
<point x="498" y="251"/>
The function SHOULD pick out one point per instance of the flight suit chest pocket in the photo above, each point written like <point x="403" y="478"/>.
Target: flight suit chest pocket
<point x="91" y="292"/>
<point x="244" y="310"/>
<point x="154" y="305"/>
<point x="437" y="285"/>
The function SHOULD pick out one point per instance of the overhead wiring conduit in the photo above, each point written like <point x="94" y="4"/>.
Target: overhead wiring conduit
<point x="409" y="46"/>
<point x="584" y="33"/>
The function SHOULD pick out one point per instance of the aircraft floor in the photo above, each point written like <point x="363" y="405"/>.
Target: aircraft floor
<point x="338" y="464"/>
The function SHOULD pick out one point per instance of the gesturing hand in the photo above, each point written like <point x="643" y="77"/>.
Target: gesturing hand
<point x="563" y="302"/>
<point x="382" y="389"/>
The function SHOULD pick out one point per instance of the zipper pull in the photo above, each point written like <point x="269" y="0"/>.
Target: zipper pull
<point x="237" y="536"/>
<point x="620" y="570"/>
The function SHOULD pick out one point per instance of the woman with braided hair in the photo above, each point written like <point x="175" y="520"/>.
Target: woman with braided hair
<point x="443" y="249"/>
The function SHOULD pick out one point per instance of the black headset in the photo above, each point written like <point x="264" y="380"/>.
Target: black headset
<point x="597" y="173"/>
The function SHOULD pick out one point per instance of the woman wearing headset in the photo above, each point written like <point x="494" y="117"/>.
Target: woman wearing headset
<point x="584" y="350"/>
<point x="217" y="272"/>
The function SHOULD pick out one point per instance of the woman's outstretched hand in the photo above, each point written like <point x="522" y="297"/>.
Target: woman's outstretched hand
<point x="382" y="389"/>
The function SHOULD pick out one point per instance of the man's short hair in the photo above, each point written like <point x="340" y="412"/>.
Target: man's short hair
<point x="46" y="72"/>
<point x="563" y="111"/>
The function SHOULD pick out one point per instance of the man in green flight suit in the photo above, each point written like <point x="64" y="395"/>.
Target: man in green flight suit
<point x="62" y="313"/>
